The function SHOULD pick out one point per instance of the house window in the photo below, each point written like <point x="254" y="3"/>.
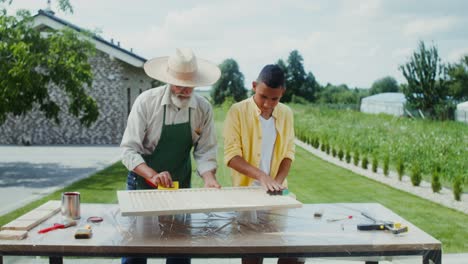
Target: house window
<point x="129" y="101"/>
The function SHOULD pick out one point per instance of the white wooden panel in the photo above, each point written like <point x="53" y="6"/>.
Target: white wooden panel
<point x="196" y="200"/>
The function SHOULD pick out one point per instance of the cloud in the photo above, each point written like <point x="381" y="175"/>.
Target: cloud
<point x="306" y="5"/>
<point x="430" y="26"/>
<point x="402" y="53"/>
<point x="341" y="41"/>
<point x="362" y="8"/>
<point x="456" y="54"/>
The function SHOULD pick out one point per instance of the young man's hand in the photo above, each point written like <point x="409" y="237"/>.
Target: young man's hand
<point x="269" y="183"/>
<point x="210" y="180"/>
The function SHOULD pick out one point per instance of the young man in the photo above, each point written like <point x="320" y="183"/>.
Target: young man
<point x="259" y="138"/>
<point x="165" y="123"/>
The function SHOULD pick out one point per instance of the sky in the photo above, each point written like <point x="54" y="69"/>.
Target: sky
<point x="353" y="42"/>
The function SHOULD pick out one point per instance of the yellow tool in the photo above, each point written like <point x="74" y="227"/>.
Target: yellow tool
<point x="175" y="186"/>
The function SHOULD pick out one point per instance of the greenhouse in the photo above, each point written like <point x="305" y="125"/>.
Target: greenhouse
<point x="389" y="103"/>
<point x="461" y="114"/>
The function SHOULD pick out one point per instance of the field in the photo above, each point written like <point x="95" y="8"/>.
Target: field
<point x="421" y="144"/>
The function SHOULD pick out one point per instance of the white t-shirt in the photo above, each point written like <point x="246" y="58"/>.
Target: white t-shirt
<point x="268" y="143"/>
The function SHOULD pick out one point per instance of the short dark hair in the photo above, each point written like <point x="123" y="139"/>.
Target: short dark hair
<point x="272" y="75"/>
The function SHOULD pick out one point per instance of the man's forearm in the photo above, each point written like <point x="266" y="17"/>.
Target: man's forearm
<point x="242" y="166"/>
<point x="209" y="177"/>
<point x="283" y="170"/>
<point x="144" y="171"/>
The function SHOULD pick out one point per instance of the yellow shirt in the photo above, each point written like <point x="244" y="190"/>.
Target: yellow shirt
<point x="243" y="137"/>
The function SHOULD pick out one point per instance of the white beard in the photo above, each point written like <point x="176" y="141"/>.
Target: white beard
<point x="180" y="103"/>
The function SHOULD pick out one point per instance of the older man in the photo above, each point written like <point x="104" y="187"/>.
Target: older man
<point x="166" y="122"/>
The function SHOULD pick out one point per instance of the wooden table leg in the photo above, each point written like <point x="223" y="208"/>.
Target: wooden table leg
<point x="55" y="260"/>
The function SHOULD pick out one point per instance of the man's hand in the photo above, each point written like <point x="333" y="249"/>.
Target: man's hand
<point x="269" y="183"/>
<point x="163" y="178"/>
<point x="210" y="180"/>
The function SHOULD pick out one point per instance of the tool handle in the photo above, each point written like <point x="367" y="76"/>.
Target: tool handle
<point x="367" y="227"/>
<point x="151" y="184"/>
<point x="55" y="226"/>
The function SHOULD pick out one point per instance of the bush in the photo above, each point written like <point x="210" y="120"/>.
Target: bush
<point x="458" y="188"/>
<point x="228" y="102"/>
<point x="316" y="143"/>
<point x="348" y="156"/>
<point x="299" y="100"/>
<point x="416" y="175"/>
<point x="400" y="169"/>
<point x="340" y="154"/>
<point x="356" y="158"/>
<point x="435" y="183"/>
<point x="365" y="163"/>
<point x="375" y="164"/>
<point x="333" y="152"/>
<point x="386" y="165"/>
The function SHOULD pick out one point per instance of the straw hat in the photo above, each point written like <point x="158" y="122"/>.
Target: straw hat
<point x="183" y="69"/>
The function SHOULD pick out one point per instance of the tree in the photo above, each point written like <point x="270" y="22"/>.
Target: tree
<point x="386" y="84"/>
<point x="341" y="95"/>
<point x="309" y="88"/>
<point x="231" y="83"/>
<point x="458" y="79"/>
<point x="31" y="63"/>
<point x="298" y="82"/>
<point x="295" y="75"/>
<point x="282" y="65"/>
<point x="427" y="85"/>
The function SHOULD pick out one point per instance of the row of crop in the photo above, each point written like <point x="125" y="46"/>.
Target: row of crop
<point x="434" y="151"/>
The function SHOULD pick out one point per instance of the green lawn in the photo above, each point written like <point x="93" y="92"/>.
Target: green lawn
<point x="313" y="181"/>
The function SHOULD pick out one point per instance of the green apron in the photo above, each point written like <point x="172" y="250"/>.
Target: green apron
<point x="172" y="154"/>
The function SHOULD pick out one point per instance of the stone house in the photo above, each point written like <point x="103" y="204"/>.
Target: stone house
<point x="118" y="79"/>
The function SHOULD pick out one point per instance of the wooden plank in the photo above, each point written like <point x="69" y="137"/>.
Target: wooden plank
<point x="33" y="218"/>
<point x="53" y="205"/>
<point x="17" y="224"/>
<point x="13" y="234"/>
<point x="197" y="200"/>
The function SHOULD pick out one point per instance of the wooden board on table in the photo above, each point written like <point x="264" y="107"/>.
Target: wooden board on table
<point x="13" y="234"/>
<point x="33" y="218"/>
<point x="198" y="200"/>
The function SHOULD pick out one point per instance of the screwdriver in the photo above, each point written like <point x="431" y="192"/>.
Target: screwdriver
<point x="340" y="219"/>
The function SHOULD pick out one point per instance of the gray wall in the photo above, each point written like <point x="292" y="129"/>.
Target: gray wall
<point x="112" y="79"/>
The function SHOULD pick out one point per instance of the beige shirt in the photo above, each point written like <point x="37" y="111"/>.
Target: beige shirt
<point x="144" y="127"/>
